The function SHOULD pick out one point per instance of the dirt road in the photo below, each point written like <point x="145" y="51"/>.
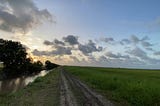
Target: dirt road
<point x="75" y="93"/>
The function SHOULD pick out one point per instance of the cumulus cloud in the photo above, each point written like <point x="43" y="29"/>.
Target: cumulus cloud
<point x="149" y="49"/>
<point x="55" y="42"/>
<point x="107" y="40"/>
<point x="62" y="51"/>
<point x="111" y="55"/>
<point x="135" y="39"/>
<point x="46" y="42"/>
<point x="21" y="15"/>
<point x="72" y="40"/>
<point x="86" y="49"/>
<point x="146" y="44"/>
<point x="89" y="47"/>
<point x="144" y="41"/>
<point x="58" y="51"/>
<point x="40" y="53"/>
<point x="58" y="42"/>
<point x="90" y="53"/>
<point x="145" y="38"/>
<point x="142" y="55"/>
<point x="125" y="41"/>
<point x="138" y="53"/>
<point x="157" y="53"/>
<point x="61" y="47"/>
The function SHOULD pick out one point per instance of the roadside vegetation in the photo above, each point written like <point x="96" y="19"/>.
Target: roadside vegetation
<point x="44" y="91"/>
<point x="49" y="65"/>
<point x="125" y="86"/>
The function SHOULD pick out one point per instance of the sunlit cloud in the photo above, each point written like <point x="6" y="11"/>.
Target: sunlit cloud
<point x="92" y="53"/>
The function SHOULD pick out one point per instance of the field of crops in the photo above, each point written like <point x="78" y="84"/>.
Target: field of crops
<point x="124" y="86"/>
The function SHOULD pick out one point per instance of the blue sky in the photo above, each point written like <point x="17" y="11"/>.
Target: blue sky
<point x="86" y="32"/>
<point x="105" y="17"/>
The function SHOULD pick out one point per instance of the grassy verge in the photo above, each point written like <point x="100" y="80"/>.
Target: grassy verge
<point x="125" y="86"/>
<point x="43" y="92"/>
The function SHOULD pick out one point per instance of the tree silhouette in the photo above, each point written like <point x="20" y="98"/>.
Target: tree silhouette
<point x="15" y="61"/>
<point x="13" y="55"/>
<point x="49" y="65"/>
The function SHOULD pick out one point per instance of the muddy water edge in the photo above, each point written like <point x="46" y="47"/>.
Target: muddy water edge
<point x="12" y="85"/>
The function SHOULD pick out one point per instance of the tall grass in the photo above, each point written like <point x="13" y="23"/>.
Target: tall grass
<point x="125" y="86"/>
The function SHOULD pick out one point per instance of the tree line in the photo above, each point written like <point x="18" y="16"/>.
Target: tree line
<point x="13" y="55"/>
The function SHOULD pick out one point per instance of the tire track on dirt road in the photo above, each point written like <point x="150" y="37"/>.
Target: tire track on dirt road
<point x="75" y="93"/>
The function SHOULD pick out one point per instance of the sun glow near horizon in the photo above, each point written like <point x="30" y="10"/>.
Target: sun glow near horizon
<point x="100" y="33"/>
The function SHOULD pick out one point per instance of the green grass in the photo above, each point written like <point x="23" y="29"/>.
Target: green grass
<point x="125" y="86"/>
<point x="43" y="92"/>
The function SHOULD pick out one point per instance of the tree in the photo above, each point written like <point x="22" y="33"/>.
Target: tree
<point x="15" y="61"/>
<point x="13" y="55"/>
<point x="49" y="65"/>
<point x="36" y="67"/>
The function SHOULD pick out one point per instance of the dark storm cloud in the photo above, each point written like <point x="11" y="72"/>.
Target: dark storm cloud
<point x="72" y="40"/>
<point x="89" y="47"/>
<point x="21" y="15"/>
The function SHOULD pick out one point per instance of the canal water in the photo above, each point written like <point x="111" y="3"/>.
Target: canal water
<point x="15" y="84"/>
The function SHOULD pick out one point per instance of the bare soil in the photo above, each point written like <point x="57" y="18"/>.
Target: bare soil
<point x="75" y="93"/>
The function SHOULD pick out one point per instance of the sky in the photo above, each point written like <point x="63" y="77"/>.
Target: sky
<point x="104" y="33"/>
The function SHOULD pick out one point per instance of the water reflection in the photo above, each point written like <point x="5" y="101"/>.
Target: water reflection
<point x="13" y="85"/>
